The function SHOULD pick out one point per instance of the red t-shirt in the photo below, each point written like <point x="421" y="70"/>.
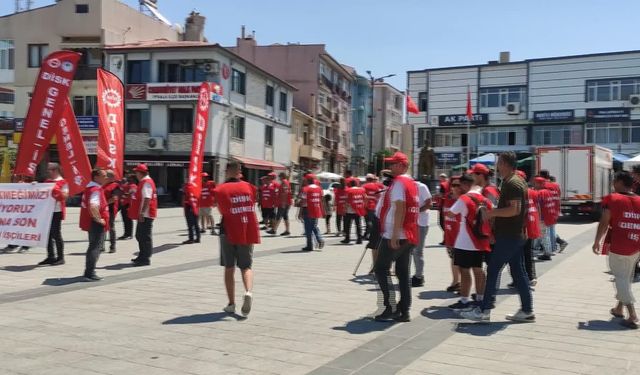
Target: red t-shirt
<point x="371" y="189"/>
<point x="491" y="193"/>
<point x="554" y="187"/>
<point x="312" y="194"/>
<point x="267" y="193"/>
<point x="547" y="204"/>
<point x="236" y="202"/>
<point x="285" y="195"/>
<point x="451" y="224"/>
<point x="356" y="198"/>
<point x="207" y="198"/>
<point x="624" y="225"/>
<point x="533" y="217"/>
<point x="340" y="197"/>
<point x="275" y="193"/>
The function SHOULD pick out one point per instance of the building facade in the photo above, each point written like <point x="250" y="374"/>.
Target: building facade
<point x="387" y="119"/>
<point x="249" y="119"/>
<point x="323" y="91"/>
<point x="360" y="127"/>
<point x="518" y="106"/>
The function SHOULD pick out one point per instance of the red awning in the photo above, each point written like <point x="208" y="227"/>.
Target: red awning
<point x="260" y="164"/>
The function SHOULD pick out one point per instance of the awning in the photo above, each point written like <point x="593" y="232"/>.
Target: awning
<point x="158" y="163"/>
<point x="259" y="164"/>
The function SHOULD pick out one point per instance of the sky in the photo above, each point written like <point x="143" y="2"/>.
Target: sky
<point x="392" y="37"/>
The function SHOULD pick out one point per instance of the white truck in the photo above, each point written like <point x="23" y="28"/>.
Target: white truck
<point x="584" y="174"/>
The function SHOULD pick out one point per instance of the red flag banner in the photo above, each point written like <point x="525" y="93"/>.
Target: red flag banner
<point x="111" y="123"/>
<point x="73" y="155"/>
<point x="49" y="95"/>
<point x="469" y="110"/>
<point x="199" y="135"/>
<point x="411" y="105"/>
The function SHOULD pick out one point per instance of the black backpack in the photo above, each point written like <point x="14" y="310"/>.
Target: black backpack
<point x="480" y="226"/>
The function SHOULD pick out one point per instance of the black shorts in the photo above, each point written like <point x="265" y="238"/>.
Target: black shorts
<point x="468" y="258"/>
<point x="268" y="213"/>
<point x="235" y="255"/>
<point x="283" y="213"/>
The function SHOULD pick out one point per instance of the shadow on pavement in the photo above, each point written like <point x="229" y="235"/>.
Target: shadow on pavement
<point x="116" y="267"/>
<point x="601" y="325"/>
<point x="24" y="268"/>
<point x="363" y="325"/>
<point x="63" y="281"/>
<point x="203" y="318"/>
<point x="165" y="247"/>
<point x="295" y="252"/>
<point x="481" y="329"/>
<point x="436" y="294"/>
<point x="435" y="247"/>
<point x="439" y="313"/>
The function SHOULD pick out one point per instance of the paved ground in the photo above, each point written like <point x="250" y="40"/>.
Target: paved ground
<point x="310" y="315"/>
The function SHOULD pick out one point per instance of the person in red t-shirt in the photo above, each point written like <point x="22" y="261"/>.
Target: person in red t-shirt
<point x="206" y="204"/>
<point x="443" y="192"/>
<point x="128" y="187"/>
<point x="285" y="200"/>
<point x="557" y="243"/>
<point x="190" y="206"/>
<point x="451" y="229"/>
<point x="311" y="205"/>
<point x="112" y="192"/>
<point x="372" y="190"/>
<point x="238" y="234"/>
<point x="546" y="204"/>
<point x="274" y="188"/>
<point x="60" y="193"/>
<point x="355" y="210"/>
<point x="267" y="191"/>
<point x="340" y="204"/>
<point x="620" y="221"/>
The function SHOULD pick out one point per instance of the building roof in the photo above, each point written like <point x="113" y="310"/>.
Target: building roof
<point x="382" y="84"/>
<point x="526" y="61"/>
<point x="166" y="44"/>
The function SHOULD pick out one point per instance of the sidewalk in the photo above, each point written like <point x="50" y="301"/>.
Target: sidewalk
<point x="310" y="315"/>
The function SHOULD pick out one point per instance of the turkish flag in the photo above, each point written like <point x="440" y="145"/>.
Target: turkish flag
<point x="49" y="96"/>
<point x="73" y="155"/>
<point x="111" y="123"/>
<point x="199" y="135"/>
<point x="469" y="110"/>
<point x="411" y="105"/>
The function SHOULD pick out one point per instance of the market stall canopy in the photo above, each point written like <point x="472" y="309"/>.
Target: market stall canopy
<point x="486" y="159"/>
<point x="328" y="176"/>
<point x="529" y="160"/>
<point x="629" y="163"/>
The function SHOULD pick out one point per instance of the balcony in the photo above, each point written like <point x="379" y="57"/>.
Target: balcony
<point x="325" y="112"/>
<point x="310" y="152"/>
<point x="325" y="142"/>
<point x="86" y="73"/>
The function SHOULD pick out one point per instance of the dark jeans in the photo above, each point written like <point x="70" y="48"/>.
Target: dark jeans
<point x="143" y="236"/>
<point x="402" y="257"/>
<point x="339" y="222"/>
<point x="192" y="223"/>
<point x="112" y="226"/>
<point x="347" y="227"/>
<point x="507" y="251"/>
<point x="311" y="229"/>
<point x="96" y="243"/>
<point x="529" y="264"/>
<point x="55" y="237"/>
<point x="128" y="223"/>
<point x="371" y="215"/>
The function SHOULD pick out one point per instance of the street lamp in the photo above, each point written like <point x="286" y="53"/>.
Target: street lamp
<point x="373" y="80"/>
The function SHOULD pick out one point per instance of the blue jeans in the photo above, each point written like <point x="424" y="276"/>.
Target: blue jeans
<point x="311" y="229"/>
<point x="552" y="238"/>
<point x="507" y="250"/>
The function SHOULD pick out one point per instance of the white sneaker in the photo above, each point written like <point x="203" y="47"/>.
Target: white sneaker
<point x="246" y="304"/>
<point x="477" y="315"/>
<point x="522" y="316"/>
<point x="230" y="309"/>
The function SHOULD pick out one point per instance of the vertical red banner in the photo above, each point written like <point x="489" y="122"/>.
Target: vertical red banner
<point x="73" y="155"/>
<point x="199" y="135"/>
<point x="111" y="123"/>
<point x="49" y="95"/>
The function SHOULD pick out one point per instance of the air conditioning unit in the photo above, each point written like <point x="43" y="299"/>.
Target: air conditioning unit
<point x="513" y="108"/>
<point x="634" y="100"/>
<point x="155" y="143"/>
<point x="213" y="67"/>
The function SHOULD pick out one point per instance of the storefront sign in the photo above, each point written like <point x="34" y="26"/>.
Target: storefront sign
<point x="172" y="92"/>
<point x="90" y="143"/>
<point x="608" y="114"/>
<point x="136" y="91"/>
<point x="6" y="124"/>
<point x="554" y="116"/>
<point x="87" y="122"/>
<point x="452" y="120"/>
<point x="25" y="214"/>
<point x="447" y="158"/>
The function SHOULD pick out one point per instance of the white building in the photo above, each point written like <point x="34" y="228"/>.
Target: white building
<point x="585" y="99"/>
<point x="387" y="119"/>
<point x="249" y="119"/>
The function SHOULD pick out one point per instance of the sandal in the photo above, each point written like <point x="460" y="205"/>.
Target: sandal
<point x="613" y="312"/>
<point x="629" y="324"/>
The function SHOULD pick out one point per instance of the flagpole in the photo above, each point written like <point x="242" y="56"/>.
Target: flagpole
<point x="468" y="142"/>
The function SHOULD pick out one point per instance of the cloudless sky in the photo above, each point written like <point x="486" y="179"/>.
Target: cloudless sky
<point x="393" y="36"/>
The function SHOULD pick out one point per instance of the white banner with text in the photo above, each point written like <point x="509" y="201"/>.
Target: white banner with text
<point x="25" y="214"/>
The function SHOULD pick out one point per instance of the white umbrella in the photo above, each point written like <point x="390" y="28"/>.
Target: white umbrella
<point x="328" y="176"/>
<point x="486" y="159"/>
<point x="628" y="164"/>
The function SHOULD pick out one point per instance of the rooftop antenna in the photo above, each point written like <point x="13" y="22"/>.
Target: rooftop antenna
<point x="150" y="7"/>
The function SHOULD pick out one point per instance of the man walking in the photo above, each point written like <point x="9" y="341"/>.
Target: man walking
<point x="112" y="192"/>
<point x="399" y="225"/>
<point x="546" y="201"/>
<point x="60" y="193"/>
<point x="238" y="233"/>
<point x="128" y="188"/>
<point x="340" y="204"/>
<point x="190" y="205"/>
<point x="443" y="192"/>
<point x="372" y="190"/>
<point x="510" y="221"/>
<point x="94" y="218"/>
<point x="355" y="210"/>
<point x="285" y="200"/>
<point x="146" y="210"/>
<point x="206" y="204"/>
<point x="311" y="205"/>
<point x="424" y="196"/>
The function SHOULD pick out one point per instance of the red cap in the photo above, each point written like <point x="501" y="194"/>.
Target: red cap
<point x="480" y="168"/>
<point x="521" y="174"/>
<point x="204" y="174"/>
<point x="141" y="168"/>
<point x="540" y="180"/>
<point x="398" y="157"/>
<point x="272" y="174"/>
<point x="264" y="177"/>
<point x="310" y="176"/>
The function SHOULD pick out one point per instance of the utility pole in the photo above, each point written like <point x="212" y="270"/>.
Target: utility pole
<point x="373" y="163"/>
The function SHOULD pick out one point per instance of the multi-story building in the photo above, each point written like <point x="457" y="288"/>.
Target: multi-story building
<point x="360" y="126"/>
<point x="324" y="91"/>
<point x="570" y="100"/>
<point x="249" y="119"/>
<point x="387" y="117"/>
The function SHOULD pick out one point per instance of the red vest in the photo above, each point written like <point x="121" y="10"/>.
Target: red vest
<point x="153" y="203"/>
<point x="410" y="222"/>
<point x="133" y="197"/>
<point x="236" y="202"/>
<point x="313" y="199"/>
<point x="56" y="193"/>
<point x="491" y="193"/>
<point x="372" y="189"/>
<point x="355" y="198"/>
<point x="444" y="193"/>
<point x="546" y="201"/>
<point x="624" y="225"/>
<point x="108" y="193"/>
<point x="267" y="193"/>
<point x="126" y="188"/>
<point x="533" y="217"/>
<point x="206" y="195"/>
<point x="482" y="244"/>
<point x="554" y="188"/>
<point x="85" y="214"/>
<point x="451" y="224"/>
<point x="189" y="199"/>
<point x="340" y="197"/>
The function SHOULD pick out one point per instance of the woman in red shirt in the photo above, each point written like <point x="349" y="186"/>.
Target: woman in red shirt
<point x="451" y="226"/>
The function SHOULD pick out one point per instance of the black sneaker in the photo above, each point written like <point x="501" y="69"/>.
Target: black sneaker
<point x="544" y="257"/>
<point x="461" y="306"/>
<point x="287" y="233"/>
<point x="386" y="315"/>
<point x="320" y="244"/>
<point x="306" y="249"/>
<point x="562" y="246"/>
<point x="345" y="241"/>
<point x="187" y="242"/>
<point x="92" y="277"/>
<point x="271" y="231"/>
<point x="141" y="263"/>
<point x="214" y="233"/>
<point x="112" y="250"/>
<point x="417" y="281"/>
<point x="453" y="288"/>
<point x="58" y="262"/>
<point x="359" y="242"/>
<point x="197" y="241"/>
<point x="46" y="262"/>
<point x="402" y="317"/>
<point x="511" y="285"/>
